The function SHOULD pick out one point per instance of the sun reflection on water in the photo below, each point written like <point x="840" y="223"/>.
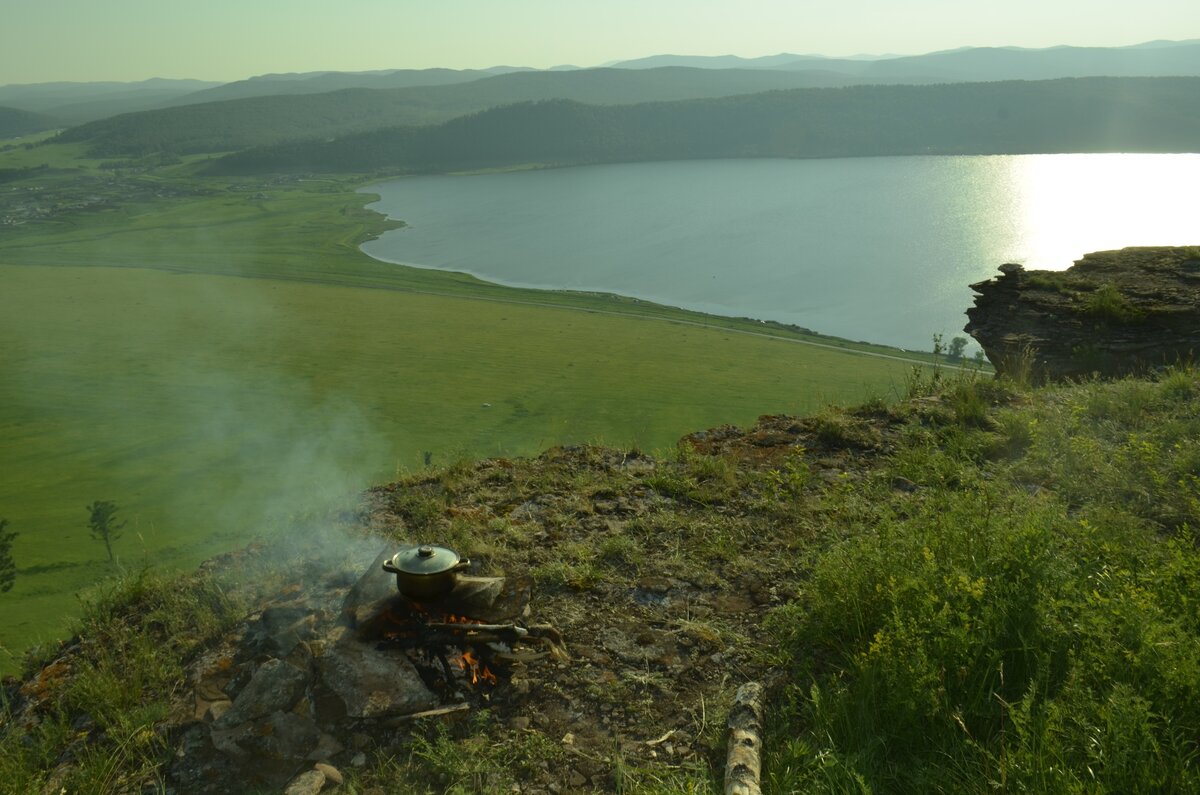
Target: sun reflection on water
<point x="1062" y="200"/>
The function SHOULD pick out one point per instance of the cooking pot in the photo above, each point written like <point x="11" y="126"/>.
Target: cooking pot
<point x="425" y="572"/>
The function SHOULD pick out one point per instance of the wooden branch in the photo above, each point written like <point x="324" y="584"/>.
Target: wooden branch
<point x="443" y="712"/>
<point x="743" y="763"/>
<point x="511" y="629"/>
<point x="437" y="639"/>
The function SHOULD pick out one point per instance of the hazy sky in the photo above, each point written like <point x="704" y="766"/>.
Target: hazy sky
<point x="44" y="40"/>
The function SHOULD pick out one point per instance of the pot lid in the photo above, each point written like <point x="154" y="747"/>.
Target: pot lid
<point x="425" y="559"/>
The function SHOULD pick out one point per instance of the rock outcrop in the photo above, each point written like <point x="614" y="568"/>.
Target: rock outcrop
<point x="1112" y="313"/>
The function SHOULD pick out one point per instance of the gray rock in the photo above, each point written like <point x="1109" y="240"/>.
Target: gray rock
<point x="226" y="740"/>
<point x="327" y="748"/>
<point x="276" y="685"/>
<point x="372" y="587"/>
<point x="282" y="736"/>
<point x="332" y="774"/>
<point x="217" y="709"/>
<point x="279" y="628"/>
<point x="1112" y="312"/>
<point x="373" y="683"/>
<point x="309" y="782"/>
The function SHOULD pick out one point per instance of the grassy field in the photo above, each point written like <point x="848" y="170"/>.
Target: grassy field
<point x="211" y="408"/>
<point x="208" y="407"/>
<point x="281" y="228"/>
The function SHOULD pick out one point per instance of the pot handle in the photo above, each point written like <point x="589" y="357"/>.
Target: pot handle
<point x="462" y="565"/>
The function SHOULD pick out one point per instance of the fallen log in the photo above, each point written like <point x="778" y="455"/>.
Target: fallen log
<point x="743" y="762"/>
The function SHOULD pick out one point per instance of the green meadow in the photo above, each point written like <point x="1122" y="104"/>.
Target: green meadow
<point x="216" y="363"/>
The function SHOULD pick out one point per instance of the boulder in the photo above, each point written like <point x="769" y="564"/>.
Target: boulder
<point x="276" y="685"/>
<point x="372" y="683"/>
<point x="1112" y="313"/>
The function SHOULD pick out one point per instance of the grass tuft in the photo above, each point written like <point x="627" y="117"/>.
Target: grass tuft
<point x="136" y="634"/>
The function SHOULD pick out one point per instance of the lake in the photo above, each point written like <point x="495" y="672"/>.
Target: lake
<point x="877" y="249"/>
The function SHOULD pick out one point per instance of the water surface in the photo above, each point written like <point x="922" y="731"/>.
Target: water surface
<point x="878" y="249"/>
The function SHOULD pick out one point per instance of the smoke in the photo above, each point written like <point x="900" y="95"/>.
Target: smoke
<point x="284" y="447"/>
<point x="196" y="403"/>
<point x="280" y="449"/>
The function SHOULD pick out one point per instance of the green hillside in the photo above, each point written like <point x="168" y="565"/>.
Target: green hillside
<point x="77" y="103"/>
<point x="983" y="588"/>
<point x="15" y="122"/>
<point x="1078" y="115"/>
<point x="239" y="123"/>
<point x="665" y="113"/>
<point x="323" y="82"/>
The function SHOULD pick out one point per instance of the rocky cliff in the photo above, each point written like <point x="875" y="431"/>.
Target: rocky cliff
<point x="1111" y="313"/>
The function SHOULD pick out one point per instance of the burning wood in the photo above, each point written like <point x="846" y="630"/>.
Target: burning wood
<point x="443" y="637"/>
<point x="478" y="670"/>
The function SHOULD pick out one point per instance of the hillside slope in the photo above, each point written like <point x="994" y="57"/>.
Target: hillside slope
<point x="15" y="122"/>
<point x="231" y="124"/>
<point x="1083" y="115"/>
<point x="78" y="103"/>
<point x="982" y="584"/>
<point x="324" y="82"/>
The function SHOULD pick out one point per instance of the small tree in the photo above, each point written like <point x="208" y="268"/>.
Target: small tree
<point x="8" y="569"/>
<point x="103" y="523"/>
<point x="957" y="346"/>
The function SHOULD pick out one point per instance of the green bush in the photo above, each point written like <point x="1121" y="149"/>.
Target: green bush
<point x="991" y="639"/>
<point x="1023" y="624"/>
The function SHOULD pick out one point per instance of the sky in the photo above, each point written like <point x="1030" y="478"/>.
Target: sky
<point x="223" y="40"/>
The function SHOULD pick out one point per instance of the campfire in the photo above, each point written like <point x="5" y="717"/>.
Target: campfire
<point x="446" y="646"/>
<point x="325" y="663"/>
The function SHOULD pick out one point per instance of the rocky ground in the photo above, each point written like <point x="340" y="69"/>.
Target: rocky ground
<point x="658" y="574"/>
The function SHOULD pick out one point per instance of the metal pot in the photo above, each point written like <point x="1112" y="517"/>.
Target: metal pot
<point x="425" y="572"/>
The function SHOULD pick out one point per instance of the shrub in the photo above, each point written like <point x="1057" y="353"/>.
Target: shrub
<point x="1108" y="303"/>
<point x="975" y="635"/>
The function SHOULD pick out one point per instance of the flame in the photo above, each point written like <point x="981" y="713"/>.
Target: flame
<point x="412" y="620"/>
<point x="469" y="662"/>
<point x="453" y="619"/>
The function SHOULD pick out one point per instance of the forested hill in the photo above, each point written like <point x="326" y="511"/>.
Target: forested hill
<point x="236" y="124"/>
<point x="1071" y="115"/>
<point x="15" y="122"/>
<point x="323" y="82"/>
<point x="77" y="103"/>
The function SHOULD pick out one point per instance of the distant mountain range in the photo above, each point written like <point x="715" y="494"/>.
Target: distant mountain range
<point x="321" y="82"/>
<point x="255" y="121"/>
<point x="76" y="103"/>
<point x="298" y="109"/>
<point x="1098" y="114"/>
<point x="969" y="64"/>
